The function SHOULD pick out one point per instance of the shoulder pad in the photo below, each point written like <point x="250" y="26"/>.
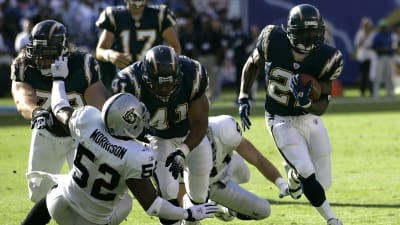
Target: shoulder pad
<point x="226" y="129"/>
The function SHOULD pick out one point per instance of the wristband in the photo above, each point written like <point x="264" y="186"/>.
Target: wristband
<point x="279" y="181"/>
<point x="243" y="95"/>
<point x="184" y="148"/>
<point x="189" y="215"/>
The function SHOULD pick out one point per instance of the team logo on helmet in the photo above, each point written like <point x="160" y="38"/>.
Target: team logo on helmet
<point x="130" y="116"/>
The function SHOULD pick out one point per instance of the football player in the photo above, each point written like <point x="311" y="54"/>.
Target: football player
<point x="293" y="119"/>
<point x="107" y="163"/>
<point x="129" y="31"/>
<point x="173" y="89"/>
<point x="31" y="89"/>
<point x="230" y="170"/>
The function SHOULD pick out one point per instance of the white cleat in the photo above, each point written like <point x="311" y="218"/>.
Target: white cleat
<point x="295" y="190"/>
<point x="225" y="214"/>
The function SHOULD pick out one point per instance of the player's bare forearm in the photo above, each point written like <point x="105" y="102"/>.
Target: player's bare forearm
<point x="103" y="47"/>
<point x="198" y="116"/>
<point x="143" y="190"/>
<point x="250" y="71"/>
<point x="96" y="94"/>
<point x="249" y="152"/>
<point x="171" y="37"/>
<point x="25" y="99"/>
<point x="320" y="106"/>
<point x="63" y="115"/>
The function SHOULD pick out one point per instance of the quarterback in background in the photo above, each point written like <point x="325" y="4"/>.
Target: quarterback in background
<point x="129" y="31"/>
<point x="292" y="117"/>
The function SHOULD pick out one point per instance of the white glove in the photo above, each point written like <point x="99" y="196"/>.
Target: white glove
<point x="283" y="187"/>
<point x="59" y="68"/>
<point x="202" y="211"/>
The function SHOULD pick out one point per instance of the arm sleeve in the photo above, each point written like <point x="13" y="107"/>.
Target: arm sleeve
<point x="164" y="209"/>
<point x="59" y="97"/>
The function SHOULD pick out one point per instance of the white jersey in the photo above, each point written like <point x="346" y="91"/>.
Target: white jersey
<point x="102" y="165"/>
<point x="225" y="136"/>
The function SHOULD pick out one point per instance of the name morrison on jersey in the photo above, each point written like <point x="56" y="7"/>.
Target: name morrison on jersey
<point x="100" y="139"/>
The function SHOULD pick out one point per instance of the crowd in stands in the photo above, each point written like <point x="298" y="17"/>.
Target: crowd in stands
<point x="209" y="30"/>
<point x="378" y="53"/>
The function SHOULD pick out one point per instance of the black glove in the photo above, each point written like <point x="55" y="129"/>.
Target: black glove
<point x="244" y="112"/>
<point x="176" y="160"/>
<point x="199" y="212"/>
<point x="301" y="92"/>
<point x="41" y="118"/>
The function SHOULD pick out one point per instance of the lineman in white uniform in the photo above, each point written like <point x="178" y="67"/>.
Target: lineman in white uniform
<point x="106" y="164"/>
<point x="230" y="170"/>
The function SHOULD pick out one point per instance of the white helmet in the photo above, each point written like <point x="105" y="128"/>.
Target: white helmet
<point x="125" y="116"/>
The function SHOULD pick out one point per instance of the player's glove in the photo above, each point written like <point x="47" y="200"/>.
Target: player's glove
<point x="202" y="211"/>
<point x="59" y="68"/>
<point x="244" y="112"/>
<point x="301" y="92"/>
<point x="283" y="187"/>
<point x="41" y="119"/>
<point x="176" y="160"/>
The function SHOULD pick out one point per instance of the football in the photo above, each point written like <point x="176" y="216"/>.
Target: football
<point x="316" y="87"/>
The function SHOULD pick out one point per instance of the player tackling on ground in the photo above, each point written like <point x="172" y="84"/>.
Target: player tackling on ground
<point x="292" y="118"/>
<point x="107" y="163"/>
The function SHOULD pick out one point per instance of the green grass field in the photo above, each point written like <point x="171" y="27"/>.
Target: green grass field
<point x="365" y="142"/>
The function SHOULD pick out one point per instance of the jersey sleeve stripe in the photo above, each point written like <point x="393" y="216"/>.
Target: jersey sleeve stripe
<point x="88" y="74"/>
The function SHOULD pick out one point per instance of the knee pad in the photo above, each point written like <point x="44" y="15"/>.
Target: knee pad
<point x="313" y="190"/>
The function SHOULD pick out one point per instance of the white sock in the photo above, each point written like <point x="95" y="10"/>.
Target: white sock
<point x="325" y="210"/>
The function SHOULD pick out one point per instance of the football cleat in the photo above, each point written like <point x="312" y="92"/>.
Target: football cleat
<point x="334" y="221"/>
<point x="295" y="190"/>
<point x="225" y="214"/>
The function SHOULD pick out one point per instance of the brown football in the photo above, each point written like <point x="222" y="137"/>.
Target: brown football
<point x="316" y="87"/>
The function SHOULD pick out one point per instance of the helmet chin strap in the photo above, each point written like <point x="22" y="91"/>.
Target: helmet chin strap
<point x="46" y="72"/>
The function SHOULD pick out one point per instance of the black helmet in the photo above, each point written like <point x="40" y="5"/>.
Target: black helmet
<point x="305" y="28"/>
<point x="162" y="72"/>
<point x="47" y="41"/>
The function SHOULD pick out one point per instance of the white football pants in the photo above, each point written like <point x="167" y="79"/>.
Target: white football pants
<point x="197" y="168"/>
<point x="304" y="143"/>
<point x="61" y="211"/>
<point x="47" y="153"/>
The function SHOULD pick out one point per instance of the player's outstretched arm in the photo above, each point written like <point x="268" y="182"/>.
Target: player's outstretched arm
<point x="249" y="152"/>
<point x="146" y="194"/>
<point x="59" y="100"/>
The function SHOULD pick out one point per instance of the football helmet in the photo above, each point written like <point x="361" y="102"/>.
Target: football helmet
<point x="162" y="73"/>
<point x="47" y="41"/>
<point x="137" y="3"/>
<point x="305" y="28"/>
<point x="125" y="116"/>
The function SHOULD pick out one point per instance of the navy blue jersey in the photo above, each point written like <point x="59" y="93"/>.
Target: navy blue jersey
<point x="136" y="37"/>
<point x="167" y="119"/>
<point x="325" y="64"/>
<point x="83" y="71"/>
